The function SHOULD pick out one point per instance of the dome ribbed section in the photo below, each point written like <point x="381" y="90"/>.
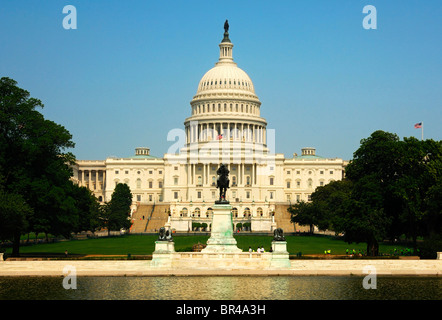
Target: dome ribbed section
<point x="226" y="78"/>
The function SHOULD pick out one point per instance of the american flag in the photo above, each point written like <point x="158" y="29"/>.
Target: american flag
<point x="418" y="125"/>
<point x="220" y="137"/>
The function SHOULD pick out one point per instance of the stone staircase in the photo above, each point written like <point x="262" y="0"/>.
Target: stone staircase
<point x="282" y="218"/>
<point x="158" y="219"/>
<point x="138" y="223"/>
<point x="149" y="218"/>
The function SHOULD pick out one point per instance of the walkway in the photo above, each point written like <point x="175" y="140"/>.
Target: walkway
<point x="298" y="267"/>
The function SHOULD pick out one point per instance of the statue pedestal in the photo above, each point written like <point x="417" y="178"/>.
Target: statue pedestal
<point x="280" y="255"/>
<point x="221" y="236"/>
<point x="163" y="254"/>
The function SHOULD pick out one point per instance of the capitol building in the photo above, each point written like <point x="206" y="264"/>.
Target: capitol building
<point x="224" y="126"/>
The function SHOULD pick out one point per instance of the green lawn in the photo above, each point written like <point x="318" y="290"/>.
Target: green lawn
<point x="145" y="245"/>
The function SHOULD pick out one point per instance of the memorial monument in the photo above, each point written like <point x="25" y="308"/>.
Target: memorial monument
<point x="221" y="236"/>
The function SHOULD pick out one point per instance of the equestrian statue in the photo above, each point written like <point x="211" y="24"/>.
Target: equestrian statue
<point x="222" y="183"/>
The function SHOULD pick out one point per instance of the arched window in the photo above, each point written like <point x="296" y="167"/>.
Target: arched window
<point x="197" y="212"/>
<point x="235" y="212"/>
<point x="209" y="212"/>
<point x="246" y="212"/>
<point x="138" y="183"/>
<point x="184" y="212"/>
<point x="259" y="212"/>
<point x="233" y="180"/>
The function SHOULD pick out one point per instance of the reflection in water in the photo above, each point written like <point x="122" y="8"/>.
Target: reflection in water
<point x="221" y="288"/>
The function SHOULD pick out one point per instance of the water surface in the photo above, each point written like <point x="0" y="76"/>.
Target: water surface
<point x="222" y="288"/>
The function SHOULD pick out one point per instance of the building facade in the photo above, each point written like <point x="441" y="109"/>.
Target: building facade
<point x="224" y="126"/>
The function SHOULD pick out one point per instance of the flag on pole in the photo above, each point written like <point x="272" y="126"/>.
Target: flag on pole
<point x="418" y="125"/>
<point x="220" y="136"/>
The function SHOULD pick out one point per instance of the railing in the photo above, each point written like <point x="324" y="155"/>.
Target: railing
<point x="150" y="217"/>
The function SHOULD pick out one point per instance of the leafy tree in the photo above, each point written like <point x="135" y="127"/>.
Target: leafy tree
<point x="87" y="208"/>
<point x="33" y="163"/>
<point x="14" y="214"/>
<point x="304" y="213"/>
<point x="117" y="211"/>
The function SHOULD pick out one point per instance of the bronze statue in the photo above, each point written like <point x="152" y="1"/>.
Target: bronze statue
<point x="222" y="183"/>
<point x="165" y="235"/>
<point x="278" y="235"/>
<point x="226" y="26"/>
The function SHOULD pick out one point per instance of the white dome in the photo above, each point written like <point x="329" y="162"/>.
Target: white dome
<point x="225" y="77"/>
<point x="225" y="80"/>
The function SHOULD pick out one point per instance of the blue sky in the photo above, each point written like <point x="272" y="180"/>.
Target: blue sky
<point x="125" y="77"/>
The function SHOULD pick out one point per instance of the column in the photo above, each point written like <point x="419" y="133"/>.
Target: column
<point x="252" y="178"/>
<point x="82" y="178"/>
<point x="97" y="184"/>
<point x="188" y="174"/>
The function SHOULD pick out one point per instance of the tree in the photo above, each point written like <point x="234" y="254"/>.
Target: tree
<point x="14" y="214"/>
<point x="117" y="211"/>
<point x="304" y="213"/>
<point x="33" y="162"/>
<point x="87" y="209"/>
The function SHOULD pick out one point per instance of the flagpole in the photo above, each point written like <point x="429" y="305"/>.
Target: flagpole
<point x="422" y="131"/>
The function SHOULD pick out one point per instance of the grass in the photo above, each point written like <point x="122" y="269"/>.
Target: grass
<point x="145" y="245"/>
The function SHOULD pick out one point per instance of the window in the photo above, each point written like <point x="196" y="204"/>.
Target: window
<point x="199" y="194"/>
<point x="126" y="172"/>
<point x="117" y="172"/>
<point x="309" y="197"/>
<point x="321" y="183"/>
<point x="138" y="183"/>
<point x="271" y="194"/>
<point x="150" y="184"/>
<point x="150" y="197"/>
<point x="160" y="184"/>
<point x="321" y="172"/>
<point x="298" y="184"/>
<point x="138" y="197"/>
<point x="160" y="172"/>
<point x="248" y="194"/>
<point x="150" y="171"/>
<point x="298" y="198"/>
<point x="175" y="195"/>
<point x="271" y="181"/>
<point x="331" y="171"/>
<point x="310" y="183"/>
<point x="288" y="184"/>
<point x="175" y="181"/>
<point x="288" y="171"/>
